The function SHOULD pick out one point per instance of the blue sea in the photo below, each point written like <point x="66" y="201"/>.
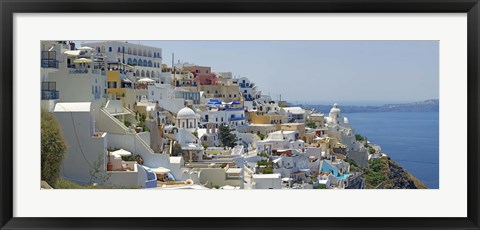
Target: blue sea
<point x="409" y="138"/>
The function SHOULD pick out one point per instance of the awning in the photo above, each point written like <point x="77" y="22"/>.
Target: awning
<point x="82" y="60"/>
<point x="85" y="48"/>
<point x="146" y="80"/>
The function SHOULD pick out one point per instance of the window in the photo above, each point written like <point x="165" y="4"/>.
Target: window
<point x="110" y="49"/>
<point x="115" y="84"/>
<point x="197" y="71"/>
<point x="152" y="93"/>
<point x="205" y="138"/>
<point x="222" y="119"/>
<point x="206" y="71"/>
<point x="118" y="50"/>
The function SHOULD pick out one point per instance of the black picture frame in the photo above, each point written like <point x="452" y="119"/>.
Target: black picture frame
<point x="9" y="7"/>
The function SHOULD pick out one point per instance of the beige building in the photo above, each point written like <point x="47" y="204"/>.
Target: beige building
<point x="264" y="129"/>
<point x="317" y="118"/>
<point x="299" y="127"/>
<point x="132" y="96"/>
<point x="226" y="93"/>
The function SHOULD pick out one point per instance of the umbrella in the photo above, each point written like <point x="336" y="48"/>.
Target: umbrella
<point x="145" y="80"/>
<point x="82" y="60"/>
<point x="122" y="153"/>
<point x="160" y="170"/>
<point x="85" y="48"/>
<point x="72" y="52"/>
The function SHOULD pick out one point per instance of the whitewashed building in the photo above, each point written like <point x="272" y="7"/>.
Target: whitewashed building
<point x="146" y="60"/>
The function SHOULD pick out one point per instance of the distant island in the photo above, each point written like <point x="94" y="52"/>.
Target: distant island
<point x="430" y="105"/>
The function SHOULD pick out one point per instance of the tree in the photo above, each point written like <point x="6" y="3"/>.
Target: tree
<point x="311" y="125"/>
<point x="53" y="148"/>
<point x="176" y="149"/>
<point x="226" y="136"/>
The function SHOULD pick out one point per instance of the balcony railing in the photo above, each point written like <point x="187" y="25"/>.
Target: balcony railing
<point x="49" y="63"/>
<point x="50" y="94"/>
<point x="78" y="71"/>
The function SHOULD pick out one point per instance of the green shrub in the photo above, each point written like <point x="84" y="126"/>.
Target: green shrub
<point x="267" y="170"/>
<point x="261" y="135"/>
<point x="359" y="137"/>
<point x="320" y="186"/>
<point x="127" y="123"/>
<point x="262" y="162"/>
<point x="262" y="154"/>
<point x="53" y="148"/>
<point x="311" y="125"/>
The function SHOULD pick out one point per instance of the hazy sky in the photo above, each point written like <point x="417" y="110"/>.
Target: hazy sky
<point x="348" y="72"/>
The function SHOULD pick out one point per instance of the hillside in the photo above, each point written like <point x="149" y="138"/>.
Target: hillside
<point x="384" y="173"/>
<point x="431" y="105"/>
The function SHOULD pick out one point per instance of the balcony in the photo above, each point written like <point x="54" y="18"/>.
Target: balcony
<point x="49" y="63"/>
<point x="237" y="118"/>
<point x="50" y="94"/>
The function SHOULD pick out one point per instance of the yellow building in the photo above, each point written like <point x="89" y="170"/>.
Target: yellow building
<point x="327" y="143"/>
<point x="115" y="86"/>
<point x="254" y="118"/>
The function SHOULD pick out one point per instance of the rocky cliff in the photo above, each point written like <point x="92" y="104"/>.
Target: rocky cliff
<point x="384" y="173"/>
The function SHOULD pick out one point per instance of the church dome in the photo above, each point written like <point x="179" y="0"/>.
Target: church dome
<point x="186" y="113"/>
<point x="335" y="109"/>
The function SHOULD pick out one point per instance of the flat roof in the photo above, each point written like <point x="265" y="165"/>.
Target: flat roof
<point x="175" y="160"/>
<point x="234" y="170"/>
<point x="261" y="125"/>
<point x="266" y="176"/>
<point x="72" y="107"/>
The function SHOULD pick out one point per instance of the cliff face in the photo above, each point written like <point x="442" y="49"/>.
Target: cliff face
<point x="385" y="173"/>
<point x="399" y="178"/>
<point x="431" y="105"/>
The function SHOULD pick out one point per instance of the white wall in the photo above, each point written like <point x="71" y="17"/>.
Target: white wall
<point x="268" y="183"/>
<point x="165" y="95"/>
<point x="83" y="150"/>
<point x="128" y="179"/>
<point x="217" y="177"/>
<point x="77" y="87"/>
